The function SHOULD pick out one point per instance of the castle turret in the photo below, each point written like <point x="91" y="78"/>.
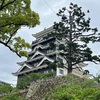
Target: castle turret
<point x="41" y="53"/>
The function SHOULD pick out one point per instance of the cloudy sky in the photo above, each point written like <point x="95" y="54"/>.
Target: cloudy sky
<point x="47" y="10"/>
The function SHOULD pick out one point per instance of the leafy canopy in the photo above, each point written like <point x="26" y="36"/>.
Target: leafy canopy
<point x="75" y="33"/>
<point x="13" y="15"/>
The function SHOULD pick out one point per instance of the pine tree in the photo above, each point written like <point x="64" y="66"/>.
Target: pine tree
<point x="76" y="33"/>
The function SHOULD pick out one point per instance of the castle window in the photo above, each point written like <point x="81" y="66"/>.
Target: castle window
<point x="61" y="71"/>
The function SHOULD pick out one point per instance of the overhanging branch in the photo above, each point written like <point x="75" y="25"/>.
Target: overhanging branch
<point x="11" y="24"/>
<point x="3" y="6"/>
<point x="81" y="61"/>
<point x="9" y="47"/>
<point x="11" y="36"/>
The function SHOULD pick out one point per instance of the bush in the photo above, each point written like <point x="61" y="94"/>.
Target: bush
<point x="6" y="88"/>
<point x="12" y="97"/>
<point x="77" y="89"/>
<point x="25" y="82"/>
<point x="10" y="93"/>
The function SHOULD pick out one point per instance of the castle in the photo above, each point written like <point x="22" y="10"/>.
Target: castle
<point x="41" y="53"/>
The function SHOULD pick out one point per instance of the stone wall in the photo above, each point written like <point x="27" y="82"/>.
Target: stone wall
<point x="38" y="89"/>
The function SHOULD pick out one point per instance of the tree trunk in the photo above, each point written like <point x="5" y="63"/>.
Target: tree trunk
<point x="69" y="67"/>
<point x="70" y="45"/>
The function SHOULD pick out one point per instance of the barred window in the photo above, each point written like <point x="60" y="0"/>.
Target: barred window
<point x="61" y="71"/>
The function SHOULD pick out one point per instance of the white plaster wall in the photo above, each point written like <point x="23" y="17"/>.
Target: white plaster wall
<point x="58" y="71"/>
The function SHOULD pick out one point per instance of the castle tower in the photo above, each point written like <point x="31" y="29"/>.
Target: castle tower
<point x="41" y="53"/>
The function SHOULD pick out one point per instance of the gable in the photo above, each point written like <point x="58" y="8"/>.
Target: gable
<point x="44" y="59"/>
<point x="37" y="53"/>
<point x="24" y="68"/>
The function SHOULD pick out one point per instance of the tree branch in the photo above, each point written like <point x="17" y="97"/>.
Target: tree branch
<point x="9" y="47"/>
<point x="81" y="61"/>
<point x="3" y="6"/>
<point x="88" y="35"/>
<point x="11" y="24"/>
<point x="11" y="36"/>
<point x="6" y="44"/>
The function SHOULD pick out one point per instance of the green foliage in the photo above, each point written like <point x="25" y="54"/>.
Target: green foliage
<point x="10" y="93"/>
<point x="75" y="33"/>
<point x="51" y="45"/>
<point x="27" y="79"/>
<point x="13" y="15"/>
<point x="5" y="88"/>
<point x="76" y="89"/>
<point x="54" y="65"/>
<point x="12" y="97"/>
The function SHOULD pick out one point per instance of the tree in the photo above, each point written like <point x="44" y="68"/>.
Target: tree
<point x="13" y="15"/>
<point x="75" y="32"/>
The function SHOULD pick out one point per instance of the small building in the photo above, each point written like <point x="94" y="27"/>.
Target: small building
<point x="41" y="53"/>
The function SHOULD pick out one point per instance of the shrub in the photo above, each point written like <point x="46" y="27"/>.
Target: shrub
<point x="76" y="89"/>
<point x="25" y="82"/>
<point x="9" y="93"/>
<point x="12" y="97"/>
<point x="6" y="88"/>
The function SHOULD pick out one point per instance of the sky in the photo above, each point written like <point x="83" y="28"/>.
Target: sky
<point x="47" y="10"/>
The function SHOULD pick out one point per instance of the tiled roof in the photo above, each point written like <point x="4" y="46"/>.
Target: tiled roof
<point x="33" y="69"/>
